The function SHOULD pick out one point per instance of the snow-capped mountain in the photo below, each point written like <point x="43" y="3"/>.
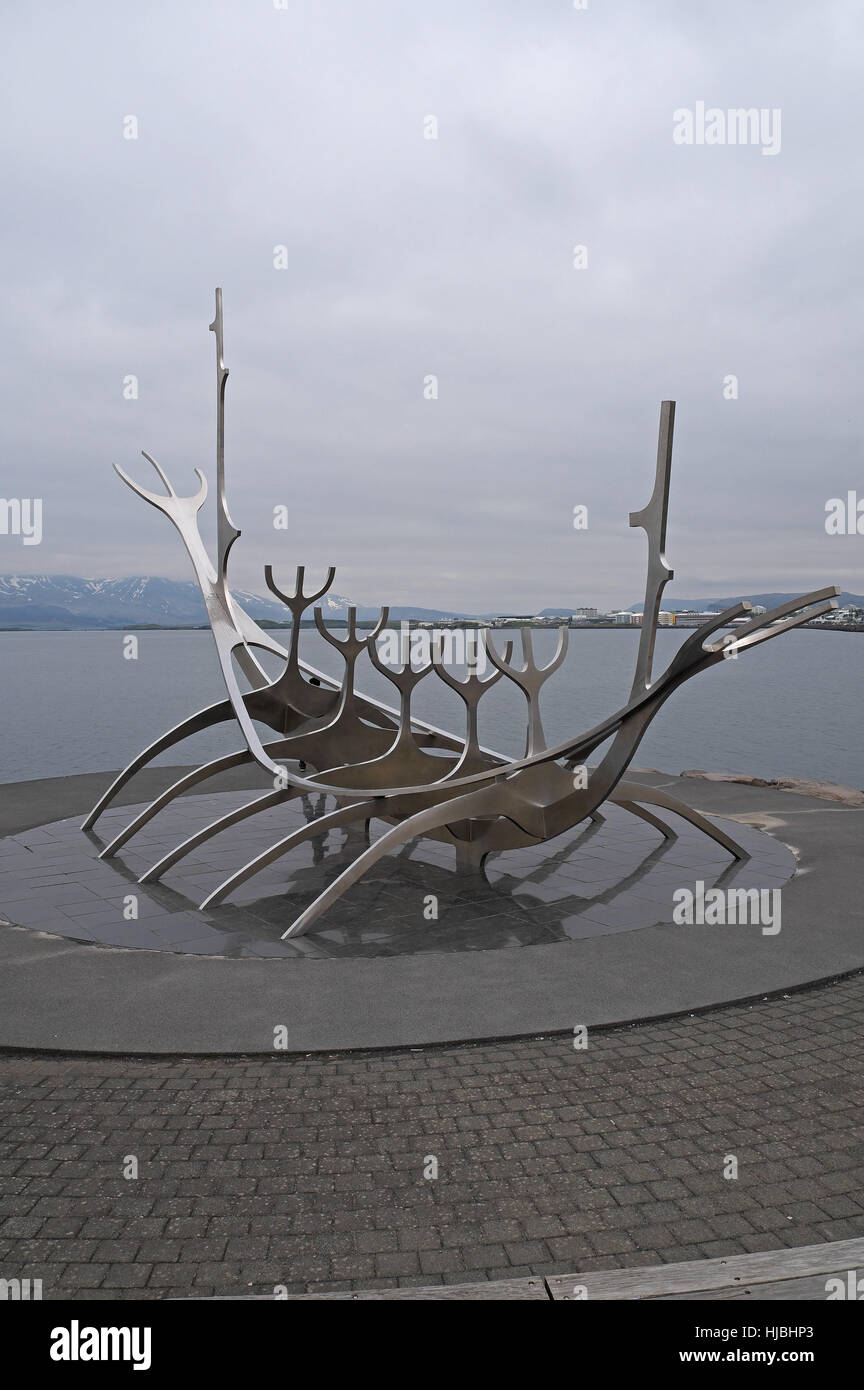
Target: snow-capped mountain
<point x="62" y="600"/>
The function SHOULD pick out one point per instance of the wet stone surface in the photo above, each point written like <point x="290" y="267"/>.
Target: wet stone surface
<point x="618" y="875"/>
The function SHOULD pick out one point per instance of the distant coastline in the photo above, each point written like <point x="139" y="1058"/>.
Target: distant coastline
<point x="414" y="624"/>
<point x="69" y="603"/>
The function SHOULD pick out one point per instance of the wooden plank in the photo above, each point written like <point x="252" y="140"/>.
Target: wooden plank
<point x="499" y="1289"/>
<point x="658" y="1281"/>
<point x="810" y="1287"/>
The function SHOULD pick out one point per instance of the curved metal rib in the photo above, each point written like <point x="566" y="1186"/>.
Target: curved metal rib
<point x="207" y="832"/>
<point x="628" y="794"/>
<point x="343" y="815"/>
<point x="326" y="746"/>
<point x="204" y="719"/>
<point x="642" y="814"/>
<point x="183" y="784"/>
<point x="477" y="803"/>
<point x="318" y="745"/>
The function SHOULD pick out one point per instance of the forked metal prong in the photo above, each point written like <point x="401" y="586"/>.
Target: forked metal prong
<point x="529" y="676"/>
<point x="350" y="640"/>
<point x="298" y="601"/>
<point x="472" y="679"/>
<point x="160" y="470"/>
<point x="171" y="503"/>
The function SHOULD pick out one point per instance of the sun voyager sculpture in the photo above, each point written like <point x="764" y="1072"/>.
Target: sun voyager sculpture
<point x="381" y="762"/>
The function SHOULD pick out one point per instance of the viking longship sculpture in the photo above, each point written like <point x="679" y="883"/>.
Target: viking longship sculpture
<point x="380" y="762"/>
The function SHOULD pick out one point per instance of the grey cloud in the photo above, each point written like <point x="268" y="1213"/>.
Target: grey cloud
<point x="454" y="257"/>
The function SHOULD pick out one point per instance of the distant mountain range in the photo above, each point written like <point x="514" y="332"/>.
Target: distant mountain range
<point x="52" y="602"/>
<point x="61" y="602"/>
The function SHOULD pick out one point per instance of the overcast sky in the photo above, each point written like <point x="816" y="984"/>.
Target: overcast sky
<point x="406" y="257"/>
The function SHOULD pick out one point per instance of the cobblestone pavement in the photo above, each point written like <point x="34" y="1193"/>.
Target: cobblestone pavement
<point x="309" y="1172"/>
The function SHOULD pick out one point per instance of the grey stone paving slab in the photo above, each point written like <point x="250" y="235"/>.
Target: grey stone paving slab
<point x="308" y="1172"/>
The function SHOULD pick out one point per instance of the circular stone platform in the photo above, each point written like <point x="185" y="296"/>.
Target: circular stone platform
<point x="612" y="876"/>
<point x="576" y="931"/>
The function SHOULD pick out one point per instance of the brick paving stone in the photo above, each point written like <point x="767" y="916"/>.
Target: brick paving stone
<point x="308" y="1172"/>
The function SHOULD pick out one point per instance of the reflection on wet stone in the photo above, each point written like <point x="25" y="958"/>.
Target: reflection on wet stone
<point x="602" y="877"/>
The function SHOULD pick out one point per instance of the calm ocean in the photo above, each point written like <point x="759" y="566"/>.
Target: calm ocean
<point x="71" y="702"/>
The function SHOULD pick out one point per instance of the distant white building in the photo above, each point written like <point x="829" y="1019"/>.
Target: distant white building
<point x="505" y="619"/>
<point x="849" y="614"/>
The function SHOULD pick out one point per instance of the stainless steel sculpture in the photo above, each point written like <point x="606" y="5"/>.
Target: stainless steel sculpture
<point x="381" y="762"/>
